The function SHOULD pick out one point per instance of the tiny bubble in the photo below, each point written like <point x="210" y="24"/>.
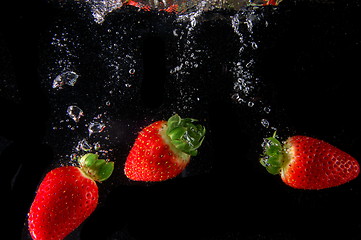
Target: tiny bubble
<point x="254" y="45"/>
<point x="97" y="146"/>
<point x="267" y="110"/>
<point x="175" y="32"/>
<point x="132" y="71"/>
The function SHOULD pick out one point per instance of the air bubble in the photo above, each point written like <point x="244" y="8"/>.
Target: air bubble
<point x="265" y="123"/>
<point x="95" y="127"/>
<point x="175" y="32"/>
<point x="267" y="110"/>
<point x="254" y="45"/>
<point x="66" y="78"/>
<point x="132" y="71"/>
<point x="83" y="145"/>
<point x="74" y="157"/>
<point x="75" y="113"/>
<point x="97" y="146"/>
<point x="249" y="64"/>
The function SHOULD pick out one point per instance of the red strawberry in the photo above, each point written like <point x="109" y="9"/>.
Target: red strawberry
<point x="66" y="197"/>
<point x="137" y="4"/>
<point x="163" y="149"/>
<point x="271" y="2"/>
<point x="309" y="163"/>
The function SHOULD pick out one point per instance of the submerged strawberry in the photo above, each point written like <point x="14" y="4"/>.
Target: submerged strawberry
<point x="271" y="2"/>
<point x="137" y="4"/>
<point x="163" y="149"/>
<point x="308" y="163"/>
<point x="66" y="197"/>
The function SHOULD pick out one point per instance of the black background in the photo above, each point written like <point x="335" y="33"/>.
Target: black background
<point x="309" y="64"/>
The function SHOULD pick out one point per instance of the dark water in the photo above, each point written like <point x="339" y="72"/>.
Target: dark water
<point x="243" y="74"/>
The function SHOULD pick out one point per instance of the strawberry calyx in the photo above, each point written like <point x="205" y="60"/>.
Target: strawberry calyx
<point x="97" y="169"/>
<point x="185" y="135"/>
<point x="274" y="156"/>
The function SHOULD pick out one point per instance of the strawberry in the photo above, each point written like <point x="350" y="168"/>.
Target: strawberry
<point x="66" y="197"/>
<point x="309" y="163"/>
<point x="163" y="149"/>
<point x="171" y="9"/>
<point x="137" y="4"/>
<point x="271" y="2"/>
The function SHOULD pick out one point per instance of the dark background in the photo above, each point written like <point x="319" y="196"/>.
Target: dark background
<point x="309" y="63"/>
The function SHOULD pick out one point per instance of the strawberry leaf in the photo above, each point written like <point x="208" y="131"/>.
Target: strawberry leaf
<point x="185" y="135"/>
<point x="96" y="169"/>
<point x="272" y="158"/>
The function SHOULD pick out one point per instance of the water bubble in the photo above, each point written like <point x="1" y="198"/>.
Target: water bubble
<point x="97" y="146"/>
<point x="265" y="123"/>
<point x="249" y="24"/>
<point x="65" y="78"/>
<point x="75" y="113"/>
<point x="83" y="145"/>
<point x="193" y="22"/>
<point x="95" y="127"/>
<point x="175" y="32"/>
<point x="74" y="157"/>
<point x="267" y="110"/>
<point x="131" y="71"/>
<point x="250" y="63"/>
<point x="254" y="45"/>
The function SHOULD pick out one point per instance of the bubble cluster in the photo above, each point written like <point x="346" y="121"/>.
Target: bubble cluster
<point x="246" y="80"/>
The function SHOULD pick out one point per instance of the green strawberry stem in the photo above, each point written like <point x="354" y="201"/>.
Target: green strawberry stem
<point x="185" y="135"/>
<point x="273" y="158"/>
<point x="96" y="169"/>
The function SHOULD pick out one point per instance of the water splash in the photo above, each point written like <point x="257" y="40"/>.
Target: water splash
<point x="100" y="8"/>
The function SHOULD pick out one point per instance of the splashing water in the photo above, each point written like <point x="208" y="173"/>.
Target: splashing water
<point x="100" y="8"/>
